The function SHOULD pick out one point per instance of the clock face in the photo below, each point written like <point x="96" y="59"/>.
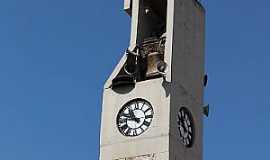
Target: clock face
<point x="135" y="117"/>
<point x="185" y="127"/>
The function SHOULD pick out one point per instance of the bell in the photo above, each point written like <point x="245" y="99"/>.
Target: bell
<point x="205" y="80"/>
<point x="123" y="80"/>
<point x="206" y="110"/>
<point x="153" y="61"/>
<point x="130" y="67"/>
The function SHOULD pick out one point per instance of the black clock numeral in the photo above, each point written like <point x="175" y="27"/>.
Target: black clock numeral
<point x="135" y="132"/>
<point x="186" y="117"/>
<point x="124" y="127"/>
<point x="123" y="120"/>
<point x="129" y="109"/>
<point x="124" y="115"/>
<point x="136" y="105"/>
<point x="139" y="130"/>
<point x="188" y="122"/>
<point x="142" y="105"/>
<point x="179" y="116"/>
<point x="188" y="141"/>
<point x="188" y="138"/>
<point x="148" y="109"/>
<point x="148" y="116"/>
<point x="133" y="106"/>
<point x="190" y="130"/>
<point x="128" y="131"/>
<point x="146" y="123"/>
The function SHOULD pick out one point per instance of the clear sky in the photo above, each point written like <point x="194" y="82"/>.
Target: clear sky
<point x="56" y="54"/>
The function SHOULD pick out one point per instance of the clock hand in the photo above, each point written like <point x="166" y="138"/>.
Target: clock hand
<point x="131" y="113"/>
<point x="140" y="117"/>
<point x="137" y="120"/>
<point x="126" y="115"/>
<point x="133" y="116"/>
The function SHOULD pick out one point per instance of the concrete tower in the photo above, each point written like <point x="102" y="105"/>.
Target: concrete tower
<point x="152" y="102"/>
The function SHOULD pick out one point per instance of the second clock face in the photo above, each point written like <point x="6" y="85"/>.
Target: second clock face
<point x="185" y="127"/>
<point x="135" y="117"/>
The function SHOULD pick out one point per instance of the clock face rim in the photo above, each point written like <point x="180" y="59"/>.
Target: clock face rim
<point x="192" y="126"/>
<point x="129" y="103"/>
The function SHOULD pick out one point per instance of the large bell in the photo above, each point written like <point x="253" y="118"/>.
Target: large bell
<point x="153" y="52"/>
<point x="153" y="59"/>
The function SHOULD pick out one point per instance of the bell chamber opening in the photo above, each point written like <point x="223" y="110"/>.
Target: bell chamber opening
<point x="146" y="60"/>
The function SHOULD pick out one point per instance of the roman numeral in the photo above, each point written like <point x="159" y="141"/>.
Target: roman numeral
<point x="124" y="127"/>
<point x="189" y="137"/>
<point x="187" y="140"/>
<point x="149" y="116"/>
<point x="124" y="115"/>
<point x="143" y="105"/>
<point x="179" y="116"/>
<point x="128" y="131"/>
<point x="136" y="105"/>
<point x="135" y="133"/>
<point x="147" y="110"/>
<point x="146" y="123"/>
<point x="123" y="120"/>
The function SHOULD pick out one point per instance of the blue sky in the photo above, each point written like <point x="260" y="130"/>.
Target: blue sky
<point x="56" y="54"/>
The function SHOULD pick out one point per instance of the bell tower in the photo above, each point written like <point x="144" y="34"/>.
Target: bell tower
<point x="153" y="101"/>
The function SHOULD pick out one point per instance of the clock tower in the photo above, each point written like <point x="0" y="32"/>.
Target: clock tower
<point x="153" y="101"/>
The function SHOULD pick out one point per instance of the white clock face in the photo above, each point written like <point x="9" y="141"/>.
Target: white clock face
<point x="185" y="127"/>
<point x="135" y="117"/>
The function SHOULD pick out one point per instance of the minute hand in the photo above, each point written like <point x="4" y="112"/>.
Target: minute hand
<point x="131" y="113"/>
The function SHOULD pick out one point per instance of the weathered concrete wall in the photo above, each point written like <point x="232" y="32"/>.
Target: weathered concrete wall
<point x="187" y="75"/>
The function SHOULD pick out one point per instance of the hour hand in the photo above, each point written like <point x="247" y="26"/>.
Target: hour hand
<point x="131" y="113"/>
<point x="126" y="115"/>
<point x="137" y="119"/>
